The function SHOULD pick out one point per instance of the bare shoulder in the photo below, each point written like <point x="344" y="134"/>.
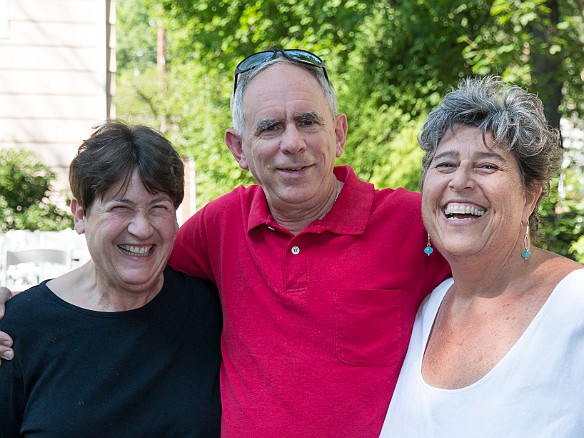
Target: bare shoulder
<point x="554" y="267"/>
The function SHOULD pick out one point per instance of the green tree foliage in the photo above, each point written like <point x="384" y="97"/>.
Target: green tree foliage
<point x="390" y="62"/>
<point x="25" y="185"/>
<point x="538" y="44"/>
<point x="562" y="226"/>
<point x="200" y="115"/>
<point x="406" y="56"/>
<point x="139" y="99"/>
<point x="220" y="31"/>
<point x="137" y="39"/>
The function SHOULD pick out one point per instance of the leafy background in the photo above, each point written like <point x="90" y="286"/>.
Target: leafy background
<point x="390" y="61"/>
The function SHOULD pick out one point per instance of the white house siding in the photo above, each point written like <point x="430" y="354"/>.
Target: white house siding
<point x="57" y="63"/>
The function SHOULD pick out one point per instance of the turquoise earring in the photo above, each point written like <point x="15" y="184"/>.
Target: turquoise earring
<point x="526" y="253"/>
<point x="428" y="250"/>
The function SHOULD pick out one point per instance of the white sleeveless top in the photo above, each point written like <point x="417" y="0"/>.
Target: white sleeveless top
<point x="536" y="390"/>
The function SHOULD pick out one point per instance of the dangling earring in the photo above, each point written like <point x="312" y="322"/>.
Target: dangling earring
<point x="428" y="250"/>
<point x="526" y="253"/>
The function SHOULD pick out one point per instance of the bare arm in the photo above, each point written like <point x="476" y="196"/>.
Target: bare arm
<point x="5" y="341"/>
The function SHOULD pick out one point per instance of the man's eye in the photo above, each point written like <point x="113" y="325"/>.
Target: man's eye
<point x="268" y="128"/>
<point x="444" y="165"/>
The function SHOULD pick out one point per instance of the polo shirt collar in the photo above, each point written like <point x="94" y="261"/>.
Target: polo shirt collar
<point x="349" y="214"/>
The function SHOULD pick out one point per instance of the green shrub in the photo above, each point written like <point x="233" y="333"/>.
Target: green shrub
<point x="25" y="189"/>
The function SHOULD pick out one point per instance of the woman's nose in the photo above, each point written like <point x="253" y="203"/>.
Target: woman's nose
<point x="140" y="225"/>
<point x="461" y="179"/>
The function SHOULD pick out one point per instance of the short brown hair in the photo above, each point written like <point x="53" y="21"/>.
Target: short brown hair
<point x="114" y="151"/>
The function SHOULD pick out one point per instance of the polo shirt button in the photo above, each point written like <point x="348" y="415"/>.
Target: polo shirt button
<point x="295" y="250"/>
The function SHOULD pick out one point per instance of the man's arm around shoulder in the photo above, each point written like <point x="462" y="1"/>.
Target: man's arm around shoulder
<point x="6" y="351"/>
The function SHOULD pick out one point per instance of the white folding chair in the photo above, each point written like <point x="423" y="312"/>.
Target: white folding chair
<point x="66" y="239"/>
<point x="27" y="267"/>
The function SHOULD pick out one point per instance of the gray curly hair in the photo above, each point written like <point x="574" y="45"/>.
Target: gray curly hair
<point x="515" y="119"/>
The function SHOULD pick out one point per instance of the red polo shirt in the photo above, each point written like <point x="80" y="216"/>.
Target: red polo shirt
<point x="316" y="325"/>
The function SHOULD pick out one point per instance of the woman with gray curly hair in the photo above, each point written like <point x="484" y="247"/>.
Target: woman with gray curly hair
<point x="497" y="350"/>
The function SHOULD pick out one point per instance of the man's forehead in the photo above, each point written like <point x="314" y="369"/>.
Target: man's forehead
<point x="283" y="91"/>
<point x="282" y="77"/>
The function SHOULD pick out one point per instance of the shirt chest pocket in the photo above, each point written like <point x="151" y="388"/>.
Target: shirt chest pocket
<point x="368" y="326"/>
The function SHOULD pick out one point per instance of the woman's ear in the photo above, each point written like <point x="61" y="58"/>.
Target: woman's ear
<point x="78" y="216"/>
<point x="532" y="195"/>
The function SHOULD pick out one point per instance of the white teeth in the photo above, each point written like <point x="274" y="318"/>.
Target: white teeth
<point x="463" y="209"/>
<point x="136" y="250"/>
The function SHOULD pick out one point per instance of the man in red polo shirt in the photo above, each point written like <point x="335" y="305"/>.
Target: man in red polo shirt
<point x="320" y="274"/>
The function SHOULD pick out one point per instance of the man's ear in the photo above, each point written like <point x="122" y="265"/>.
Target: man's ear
<point x="234" y="143"/>
<point x="341" y="128"/>
<point x="78" y="216"/>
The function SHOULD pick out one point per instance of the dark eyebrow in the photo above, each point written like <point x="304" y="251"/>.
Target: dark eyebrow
<point x="446" y="154"/>
<point x="449" y="153"/>
<point x="120" y="200"/>
<point x="162" y="197"/>
<point x="452" y="153"/>
<point x="308" y="117"/>
<point x="266" y="123"/>
<point x="494" y="155"/>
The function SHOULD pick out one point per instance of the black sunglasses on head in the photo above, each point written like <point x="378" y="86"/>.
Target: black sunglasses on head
<point x="296" y="55"/>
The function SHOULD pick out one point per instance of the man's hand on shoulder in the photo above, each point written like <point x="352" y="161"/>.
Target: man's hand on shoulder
<point x="5" y="341"/>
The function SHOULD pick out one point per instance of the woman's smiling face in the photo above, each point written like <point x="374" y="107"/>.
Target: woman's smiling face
<point x="130" y="234"/>
<point x="473" y="196"/>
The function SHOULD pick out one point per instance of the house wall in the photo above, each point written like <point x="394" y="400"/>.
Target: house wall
<point x="57" y="64"/>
